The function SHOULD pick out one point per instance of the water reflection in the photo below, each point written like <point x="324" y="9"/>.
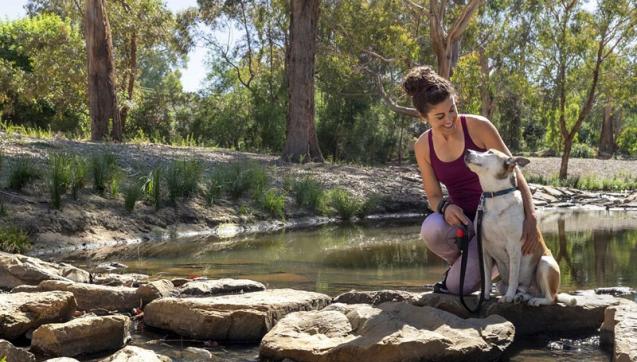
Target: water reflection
<point x="593" y="249"/>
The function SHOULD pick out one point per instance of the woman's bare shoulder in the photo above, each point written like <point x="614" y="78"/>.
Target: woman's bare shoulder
<point x="421" y="147"/>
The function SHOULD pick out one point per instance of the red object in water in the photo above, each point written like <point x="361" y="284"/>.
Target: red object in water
<point x="459" y="233"/>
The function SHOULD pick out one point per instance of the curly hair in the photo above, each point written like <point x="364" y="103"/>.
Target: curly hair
<point x="426" y="88"/>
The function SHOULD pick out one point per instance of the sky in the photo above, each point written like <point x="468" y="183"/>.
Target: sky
<point x="191" y="77"/>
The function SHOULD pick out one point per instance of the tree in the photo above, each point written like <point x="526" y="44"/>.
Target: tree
<point x="101" y="77"/>
<point x="301" y="142"/>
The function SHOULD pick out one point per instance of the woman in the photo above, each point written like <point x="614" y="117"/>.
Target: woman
<point x="439" y="152"/>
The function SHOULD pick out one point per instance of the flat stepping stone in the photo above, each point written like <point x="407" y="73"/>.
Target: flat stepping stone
<point x="18" y="269"/>
<point x="376" y="297"/>
<point x="22" y="312"/>
<point x="393" y="331"/>
<point x="82" y="336"/>
<point x="242" y="317"/>
<point x="97" y="297"/>
<point x="220" y="286"/>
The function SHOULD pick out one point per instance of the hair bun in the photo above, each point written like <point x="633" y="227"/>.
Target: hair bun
<point x="418" y="79"/>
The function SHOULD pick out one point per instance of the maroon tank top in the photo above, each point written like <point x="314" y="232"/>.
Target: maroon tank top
<point x="462" y="184"/>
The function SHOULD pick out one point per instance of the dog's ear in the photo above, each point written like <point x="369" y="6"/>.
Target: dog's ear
<point x="511" y="162"/>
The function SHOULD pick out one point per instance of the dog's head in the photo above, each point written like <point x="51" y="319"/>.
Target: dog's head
<point x="494" y="168"/>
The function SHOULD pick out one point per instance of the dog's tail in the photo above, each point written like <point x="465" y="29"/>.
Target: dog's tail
<point x="566" y="299"/>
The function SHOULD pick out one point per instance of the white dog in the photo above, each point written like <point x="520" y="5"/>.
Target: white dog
<point x="532" y="278"/>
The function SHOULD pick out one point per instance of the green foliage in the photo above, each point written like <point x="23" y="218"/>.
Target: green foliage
<point x="21" y="173"/>
<point x="627" y="141"/>
<point x="273" y="202"/>
<point x="14" y="240"/>
<point x="105" y="172"/>
<point x="581" y="150"/>
<point x="345" y="203"/>
<point x="59" y="177"/>
<point x="242" y="177"/>
<point x="213" y="190"/>
<point x="182" y="179"/>
<point x="43" y="73"/>
<point x="152" y="187"/>
<point x="78" y="174"/>
<point x="309" y="193"/>
<point x="589" y="182"/>
<point x="133" y="192"/>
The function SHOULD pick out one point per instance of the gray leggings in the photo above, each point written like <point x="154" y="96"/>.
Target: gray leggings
<point x="440" y="238"/>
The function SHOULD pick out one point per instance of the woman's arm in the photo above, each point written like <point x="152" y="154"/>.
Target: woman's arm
<point x="490" y="137"/>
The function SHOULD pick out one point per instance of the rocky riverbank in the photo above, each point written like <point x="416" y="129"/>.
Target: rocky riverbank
<point x="57" y="310"/>
<point x="94" y="221"/>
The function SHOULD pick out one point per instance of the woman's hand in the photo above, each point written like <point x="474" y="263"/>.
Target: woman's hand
<point x="529" y="234"/>
<point x="455" y="216"/>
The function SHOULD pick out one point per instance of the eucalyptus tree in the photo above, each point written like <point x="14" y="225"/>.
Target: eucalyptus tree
<point x="574" y="44"/>
<point x="101" y="78"/>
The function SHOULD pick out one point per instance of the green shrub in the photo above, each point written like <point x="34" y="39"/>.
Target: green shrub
<point x="22" y="172"/>
<point x="346" y="204"/>
<point x="273" y="202"/>
<point x="133" y="192"/>
<point x="627" y="141"/>
<point x="59" y="177"/>
<point x="152" y="187"/>
<point x="581" y="150"/>
<point x="309" y="194"/>
<point x="242" y="177"/>
<point x="182" y="179"/>
<point x="103" y="169"/>
<point x="78" y="173"/>
<point x="14" y="240"/>
<point x="213" y="190"/>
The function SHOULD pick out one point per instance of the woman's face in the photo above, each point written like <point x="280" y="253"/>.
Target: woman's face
<point x="442" y="116"/>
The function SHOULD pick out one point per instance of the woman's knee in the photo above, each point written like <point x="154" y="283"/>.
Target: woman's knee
<point x="433" y="228"/>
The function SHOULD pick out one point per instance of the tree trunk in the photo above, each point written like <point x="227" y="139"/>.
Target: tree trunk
<point x="485" y="94"/>
<point x="301" y="142"/>
<point x="606" y="139"/>
<point x="101" y="77"/>
<point x="566" y="155"/>
<point x="132" y="73"/>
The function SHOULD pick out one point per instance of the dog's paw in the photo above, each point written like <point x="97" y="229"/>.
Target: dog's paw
<point x="507" y="299"/>
<point x="536" y="302"/>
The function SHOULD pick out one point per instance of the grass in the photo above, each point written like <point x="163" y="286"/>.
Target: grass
<point x="213" y="190"/>
<point x="59" y="177"/>
<point x="133" y="192"/>
<point x="103" y="168"/>
<point x="33" y="132"/>
<point x="273" y="202"/>
<point x="590" y="183"/>
<point x="21" y="173"/>
<point x="152" y="187"/>
<point x="309" y="193"/>
<point x="345" y="203"/>
<point x="78" y="174"/>
<point x="182" y="179"/>
<point x="14" y="240"/>
<point x="240" y="178"/>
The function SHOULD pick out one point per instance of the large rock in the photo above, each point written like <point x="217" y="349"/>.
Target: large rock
<point x="22" y="312"/>
<point x="14" y="354"/>
<point x="93" y="297"/>
<point x="387" y="332"/>
<point x="18" y="269"/>
<point x="376" y="297"/>
<point x="136" y="354"/>
<point x="619" y="330"/>
<point x="155" y="290"/>
<point x="242" y="317"/>
<point x="82" y="336"/>
<point x="220" y="286"/>
<point x="586" y="316"/>
<point x="115" y="280"/>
